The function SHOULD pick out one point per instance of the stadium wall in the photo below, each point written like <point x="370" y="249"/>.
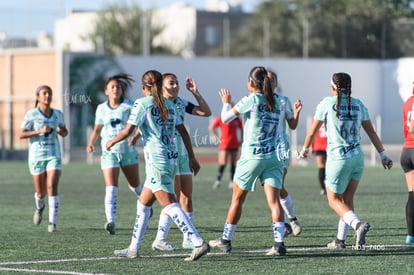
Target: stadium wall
<point x="383" y="85"/>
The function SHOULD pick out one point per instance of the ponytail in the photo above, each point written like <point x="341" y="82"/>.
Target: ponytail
<point x="258" y="75"/>
<point x="153" y="80"/>
<point x="268" y="94"/>
<point x="342" y="83"/>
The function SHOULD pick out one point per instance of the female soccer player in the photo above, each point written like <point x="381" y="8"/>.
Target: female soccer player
<point x="229" y="144"/>
<point x="183" y="181"/>
<point x="156" y="118"/>
<point x="343" y="116"/>
<point x="258" y="159"/>
<point x="319" y="150"/>
<point x="407" y="164"/>
<point x="41" y="126"/>
<point x="110" y="118"/>
<point x="289" y="116"/>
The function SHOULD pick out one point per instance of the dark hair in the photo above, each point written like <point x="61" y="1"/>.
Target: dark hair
<point x="274" y="75"/>
<point x="342" y="82"/>
<point x="42" y="87"/>
<point x="153" y="80"/>
<point x="124" y="80"/>
<point x="168" y="75"/>
<point x="258" y="75"/>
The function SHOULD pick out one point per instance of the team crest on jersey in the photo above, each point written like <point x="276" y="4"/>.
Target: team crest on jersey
<point x="114" y="122"/>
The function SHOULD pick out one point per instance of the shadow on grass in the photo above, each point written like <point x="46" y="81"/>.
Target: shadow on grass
<point x="259" y="255"/>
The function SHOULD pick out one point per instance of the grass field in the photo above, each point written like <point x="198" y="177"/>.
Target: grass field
<point x="81" y="246"/>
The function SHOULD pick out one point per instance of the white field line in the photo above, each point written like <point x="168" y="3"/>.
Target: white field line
<point x="170" y="255"/>
<point x="46" y="271"/>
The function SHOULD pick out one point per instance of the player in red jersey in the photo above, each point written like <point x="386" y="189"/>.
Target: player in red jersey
<point x="319" y="150"/>
<point x="407" y="163"/>
<point x="229" y="143"/>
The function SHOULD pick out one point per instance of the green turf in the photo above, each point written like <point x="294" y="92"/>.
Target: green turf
<point x="81" y="246"/>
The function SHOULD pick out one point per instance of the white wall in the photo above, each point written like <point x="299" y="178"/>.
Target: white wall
<point x="379" y="84"/>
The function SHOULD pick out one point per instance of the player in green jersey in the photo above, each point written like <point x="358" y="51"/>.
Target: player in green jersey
<point x="111" y="117"/>
<point x="258" y="159"/>
<point x="183" y="181"/>
<point x="41" y="126"/>
<point x="156" y="119"/>
<point x="343" y="116"/>
<point x="288" y="117"/>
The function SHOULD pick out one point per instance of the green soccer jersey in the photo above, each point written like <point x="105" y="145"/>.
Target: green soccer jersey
<point x="343" y="133"/>
<point x="44" y="146"/>
<point x="260" y="127"/>
<point x="158" y="136"/>
<point x="286" y="113"/>
<point x="113" y="121"/>
<point x="182" y="106"/>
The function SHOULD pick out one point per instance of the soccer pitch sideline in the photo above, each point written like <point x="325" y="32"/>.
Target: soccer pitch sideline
<point x="82" y="246"/>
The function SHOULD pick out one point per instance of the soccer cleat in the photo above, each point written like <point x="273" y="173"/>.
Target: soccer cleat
<point x="360" y="233"/>
<point x="216" y="184"/>
<point x="288" y="229"/>
<point x="409" y="239"/>
<point x="199" y="252"/>
<point x="51" y="227"/>
<point x="126" y="253"/>
<point x="222" y="244"/>
<point x="110" y="227"/>
<point x="37" y="217"/>
<point x="277" y="249"/>
<point x="296" y="228"/>
<point x="336" y="244"/>
<point x="188" y="244"/>
<point x="162" y="245"/>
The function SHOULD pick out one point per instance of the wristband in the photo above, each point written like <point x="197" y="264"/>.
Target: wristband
<point x="382" y="154"/>
<point x="306" y="149"/>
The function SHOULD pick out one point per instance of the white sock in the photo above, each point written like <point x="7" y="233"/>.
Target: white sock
<point x="287" y="206"/>
<point x="140" y="226"/>
<point x="164" y="225"/>
<point x="110" y="203"/>
<point x="351" y="219"/>
<point x="53" y="208"/>
<point x="184" y="223"/>
<point x="278" y="231"/>
<point x="343" y="229"/>
<point x="40" y="203"/>
<point x="190" y="215"/>
<point x="228" y="231"/>
<point x="136" y="190"/>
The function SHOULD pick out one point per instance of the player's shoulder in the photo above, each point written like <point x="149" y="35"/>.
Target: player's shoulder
<point x="102" y="105"/>
<point x="32" y="112"/>
<point x="127" y="101"/>
<point x="282" y="97"/>
<point x="144" y="101"/>
<point x="180" y="100"/>
<point x="357" y="101"/>
<point x="57" y="112"/>
<point x="328" y="99"/>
